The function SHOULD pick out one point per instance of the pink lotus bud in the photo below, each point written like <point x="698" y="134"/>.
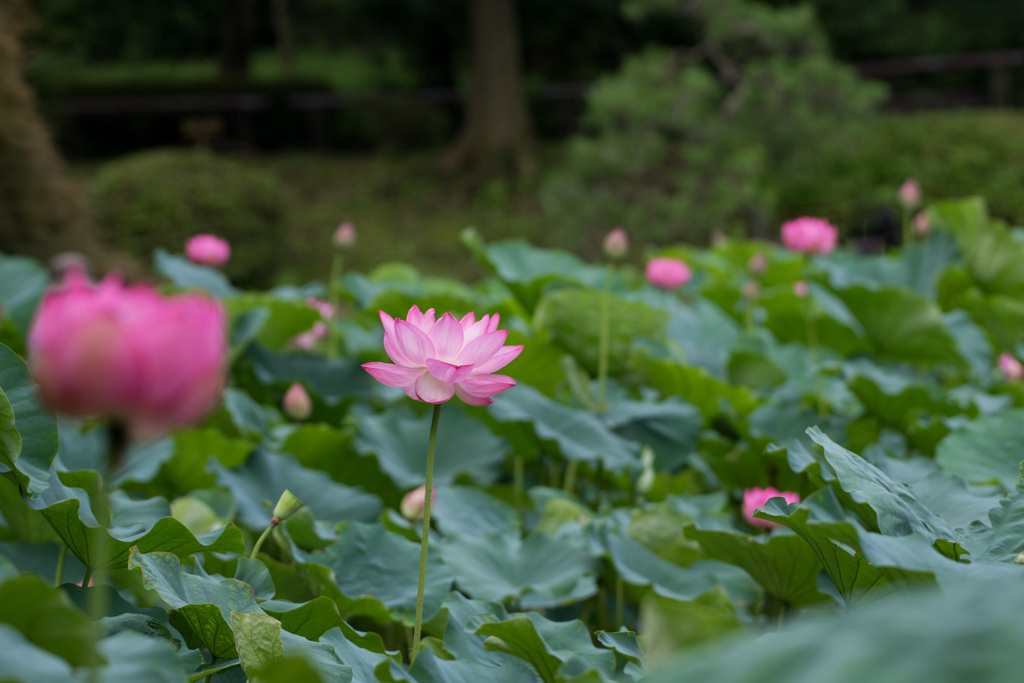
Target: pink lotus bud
<point x="755" y="498"/>
<point x="436" y="360"/>
<point x="344" y="236"/>
<point x="751" y="290"/>
<point x="909" y="194"/>
<point x="757" y="264"/>
<point x="1010" y="367"/>
<point x="616" y="243"/>
<point x="922" y="224"/>
<point x="208" y="250"/>
<point x="667" y="273"/>
<point x="324" y="308"/>
<point x="801" y="289"/>
<point x="307" y="340"/>
<point x="128" y="353"/>
<point x="296" y="403"/>
<point x="414" y="501"/>
<point x="810" y="235"/>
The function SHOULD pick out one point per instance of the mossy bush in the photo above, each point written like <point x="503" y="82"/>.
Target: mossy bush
<point x="161" y="198"/>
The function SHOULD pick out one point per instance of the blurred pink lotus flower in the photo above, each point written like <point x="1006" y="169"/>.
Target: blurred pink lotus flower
<point x="922" y="223"/>
<point x="128" y="353"/>
<point x="755" y="498"/>
<point x="801" y="289"/>
<point x="758" y="263"/>
<point x="208" y="250"/>
<point x="909" y="194"/>
<point x="616" y="243"/>
<point x="296" y="402"/>
<point x="750" y="290"/>
<point x="810" y="235"/>
<point x="324" y="308"/>
<point x="434" y="361"/>
<point x="307" y="340"/>
<point x="1010" y="367"/>
<point x="667" y="273"/>
<point x="413" y="503"/>
<point x="344" y="236"/>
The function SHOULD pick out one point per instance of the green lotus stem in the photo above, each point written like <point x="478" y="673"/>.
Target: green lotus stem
<point x="59" y="575"/>
<point x="259" y="541"/>
<point x="602" y="351"/>
<point x="517" y="480"/>
<point x="332" y="299"/>
<point x="570" y="476"/>
<point x="428" y="489"/>
<point x="812" y="345"/>
<point x="620" y="602"/>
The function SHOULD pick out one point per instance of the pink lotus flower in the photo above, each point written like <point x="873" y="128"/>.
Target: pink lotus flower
<point x="758" y="263"/>
<point x="413" y="503"/>
<point x="128" y="353"/>
<point x="755" y="498"/>
<point x="296" y="402"/>
<point x="909" y="194"/>
<point x="434" y="361"/>
<point x="324" y="308"/>
<point x="344" y="236"/>
<point x="922" y="224"/>
<point x="1010" y="367"/>
<point x="801" y="289"/>
<point x="208" y="250"/>
<point x="307" y="340"/>
<point x="667" y="273"/>
<point x="616" y="243"/>
<point x="810" y="235"/>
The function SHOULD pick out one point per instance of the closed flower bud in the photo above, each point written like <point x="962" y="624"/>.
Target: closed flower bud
<point x="208" y="250"/>
<point x="344" y="236"/>
<point x="801" y="289"/>
<point x="287" y="505"/>
<point x="413" y="503"/>
<point x="1010" y="367"/>
<point x="616" y="243"/>
<point x="909" y="194"/>
<point x="667" y="273"/>
<point x="296" y="403"/>
<point x="757" y="264"/>
<point x="922" y="224"/>
<point x="751" y="290"/>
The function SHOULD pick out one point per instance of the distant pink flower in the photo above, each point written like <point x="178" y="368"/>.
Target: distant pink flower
<point x="434" y="361"/>
<point x="413" y="503"/>
<point x="757" y="263"/>
<point x="909" y="194"/>
<point x="307" y="340"/>
<point x="668" y="273"/>
<point x="208" y="250"/>
<point x="750" y="290"/>
<point x="810" y="235"/>
<point x="616" y="243"/>
<point x="344" y="236"/>
<point x="922" y="223"/>
<point x="296" y="402"/>
<point x="801" y="289"/>
<point x="755" y="498"/>
<point x="128" y="353"/>
<point x="1010" y="367"/>
<point x="324" y="308"/>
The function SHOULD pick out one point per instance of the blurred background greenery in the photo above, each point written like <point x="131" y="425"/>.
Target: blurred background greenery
<point x="272" y="121"/>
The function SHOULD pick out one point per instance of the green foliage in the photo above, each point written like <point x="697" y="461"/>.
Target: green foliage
<point x="685" y="142"/>
<point x="161" y="198"/>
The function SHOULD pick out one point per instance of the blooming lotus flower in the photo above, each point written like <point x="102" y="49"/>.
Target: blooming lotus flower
<point x="296" y="402"/>
<point x="413" y="502"/>
<point x="1010" y="367"/>
<point x="810" y="235"/>
<point x="801" y="289"/>
<point x="208" y="250"/>
<point x="616" y="243"/>
<point x="667" y="273"/>
<point x="909" y="194"/>
<point x="435" y="360"/>
<point x="755" y="498"/>
<point x="128" y="353"/>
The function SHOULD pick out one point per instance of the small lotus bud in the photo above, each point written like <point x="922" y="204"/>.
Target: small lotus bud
<point x="801" y="289"/>
<point x="296" y="403"/>
<point x="757" y="264"/>
<point x="1010" y="367"/>
<point x="344" y="236"/>
<point x="751" y="290"/>
<point x="922" y="224"/>
<point x="910" y="194"/>
<point x="287" y="505"/>
<point x="414" y="501"/>
<point x="616" y="243"/>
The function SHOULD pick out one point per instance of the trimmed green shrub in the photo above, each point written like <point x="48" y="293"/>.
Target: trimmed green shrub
<point x="161" y="198"/>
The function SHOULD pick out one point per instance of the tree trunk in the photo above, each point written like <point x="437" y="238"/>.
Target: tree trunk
<point x="41" y="211"/>
<point x="282" y="21"/>
<point x="497" y="125"/>
<point x="239" y="36"/>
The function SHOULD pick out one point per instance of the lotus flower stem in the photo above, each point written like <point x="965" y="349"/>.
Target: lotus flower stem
<point x="332" y="299"/>
<point x="602" y="352"/>
<point x="59" y="574"/>
<point x="517" y="480"/>
<point x="620" y="602"/>
<point x="569" y="482"/>
<point x="429" y="486"/>
<point x="259" y="541"/>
